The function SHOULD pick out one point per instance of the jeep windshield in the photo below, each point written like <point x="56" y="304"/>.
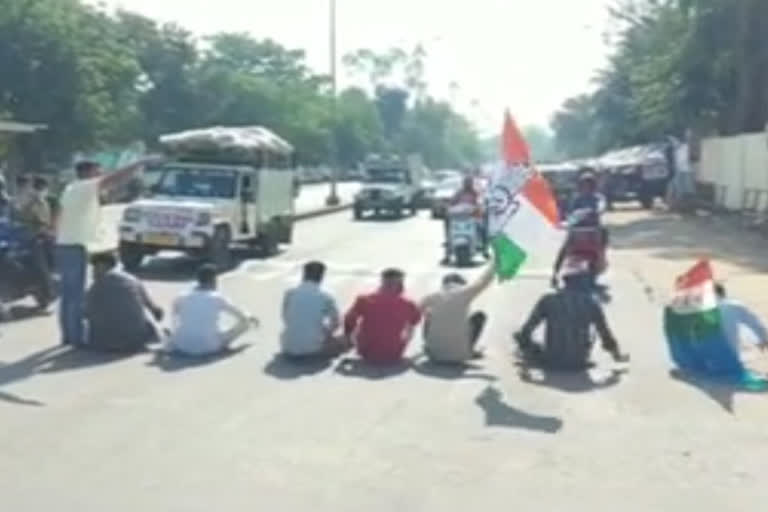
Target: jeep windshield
<point x="181" y="181"/>
<point x="386" y="176"/>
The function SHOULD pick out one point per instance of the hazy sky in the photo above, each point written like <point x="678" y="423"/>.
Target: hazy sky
<point x="528" y="55"/>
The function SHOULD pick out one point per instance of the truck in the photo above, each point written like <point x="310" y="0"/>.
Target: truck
<point x="639" y="173"/>
<point x="390" y="184"/>
<point x="221" y="188"/>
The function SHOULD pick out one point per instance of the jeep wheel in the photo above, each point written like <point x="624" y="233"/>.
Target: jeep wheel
<point x="131" y="256"/>
<point x="357" y="213"/>
<point x="218" y="248"/>
<point x="646" y="201"/>
<point x="269" y="245"/>
<point x="463" y="256"/>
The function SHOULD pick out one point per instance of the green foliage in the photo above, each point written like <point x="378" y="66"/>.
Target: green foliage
<point x="677" y="65"/>
<point x="99" y="80"/>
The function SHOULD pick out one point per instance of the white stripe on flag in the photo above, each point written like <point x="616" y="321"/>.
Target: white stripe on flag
<point x="534" y="234"/>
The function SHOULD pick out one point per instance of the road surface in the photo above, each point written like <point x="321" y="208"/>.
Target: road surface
<point x="250" y="433"/>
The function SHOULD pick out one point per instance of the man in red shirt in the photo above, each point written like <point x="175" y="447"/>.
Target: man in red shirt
<point x="381" y="323"/>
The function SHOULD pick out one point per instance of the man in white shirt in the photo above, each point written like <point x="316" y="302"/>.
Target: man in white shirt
<point x="450" y="332"/>
<point x="311" y="318"/>
<point x="196" y="319"/>
<point x="79" y="231"/>
<point x="733" y="316"/>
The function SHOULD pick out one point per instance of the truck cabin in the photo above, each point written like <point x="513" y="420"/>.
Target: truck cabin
<point x="213" y="177"/>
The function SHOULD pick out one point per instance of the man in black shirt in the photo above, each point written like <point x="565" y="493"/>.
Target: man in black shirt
<point x="570" y="314"/>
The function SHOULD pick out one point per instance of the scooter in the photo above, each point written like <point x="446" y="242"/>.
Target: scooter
<point x="463" y="234"/>
<point x="19" y="277"/>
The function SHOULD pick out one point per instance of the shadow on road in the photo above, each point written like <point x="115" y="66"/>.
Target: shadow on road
<point x="353" y="367"/>
<point x="500" y="414"/>
<point x="284" y="369"/>
<point x="176" y="268"/>
<point x="428" y="368"/>
<point x="721" y="392"/>
<point x="171" y="362"/>
<point x="569" y="382"/>
<point x="673" y="237"/>
<point x="50" y="360"/>
<point x="22" y="312"/>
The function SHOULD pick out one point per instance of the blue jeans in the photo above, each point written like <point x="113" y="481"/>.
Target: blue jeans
<point x="71" y="266"/>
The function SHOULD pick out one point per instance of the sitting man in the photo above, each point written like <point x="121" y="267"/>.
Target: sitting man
<point x="196" y="317"/>
<point x="450" y="332"/>
<point x="310" y="319"/>
<point x="381" y="323"/>
<point x="734" y="315"/>
<point x="116" y="309"/>
<point x="569" y="314"/>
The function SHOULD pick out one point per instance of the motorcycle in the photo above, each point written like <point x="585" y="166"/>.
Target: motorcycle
<point x="586" y="248"/>
<point x="463" y="234"/>
<point x="19" y="276"/>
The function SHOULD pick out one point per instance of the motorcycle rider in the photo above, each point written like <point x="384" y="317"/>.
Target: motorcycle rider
<point x="585" y="212"/>
<point x="35" y="214"/>
<point x="466" y="195"/>
<point x="5" y="201"/>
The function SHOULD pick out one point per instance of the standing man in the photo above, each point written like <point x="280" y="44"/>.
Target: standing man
<point x="196" y="319"/>
<point x="311" y="319"/>
<point x="80" y="230"/>
<point x="450" y="332"/>
<point x="381" y="323"/>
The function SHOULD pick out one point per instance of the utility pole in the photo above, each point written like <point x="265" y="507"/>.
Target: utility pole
<point x="333" y="197"/>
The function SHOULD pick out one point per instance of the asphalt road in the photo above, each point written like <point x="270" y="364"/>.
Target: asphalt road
<point x="250" y="433"/>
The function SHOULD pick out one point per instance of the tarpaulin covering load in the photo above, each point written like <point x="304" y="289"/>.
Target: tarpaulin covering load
<point x="244" y="143"/>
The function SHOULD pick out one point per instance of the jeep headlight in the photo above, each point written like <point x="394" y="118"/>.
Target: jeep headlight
<point x="204" y="219"/>
<point x="131" y="215"/>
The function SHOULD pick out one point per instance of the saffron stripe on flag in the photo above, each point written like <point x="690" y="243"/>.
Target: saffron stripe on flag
<point x="539" y="193"/>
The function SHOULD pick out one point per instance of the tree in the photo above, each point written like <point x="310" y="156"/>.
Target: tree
<point x="677" y="64"/>
<point x="62" y="67"/>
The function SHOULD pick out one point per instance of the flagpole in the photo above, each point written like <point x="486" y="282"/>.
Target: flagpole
<point x="333" y="197"/>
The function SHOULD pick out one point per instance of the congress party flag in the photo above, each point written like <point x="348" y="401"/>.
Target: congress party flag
<point x="523" y="216"/>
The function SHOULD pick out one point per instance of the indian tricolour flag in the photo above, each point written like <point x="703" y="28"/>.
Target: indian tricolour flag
<point x="523" y="217"/>
<point x="693" y="327"/>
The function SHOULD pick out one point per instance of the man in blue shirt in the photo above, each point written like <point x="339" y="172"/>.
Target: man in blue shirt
<point x="311" y="319"/>
<point x="733" y="316"/>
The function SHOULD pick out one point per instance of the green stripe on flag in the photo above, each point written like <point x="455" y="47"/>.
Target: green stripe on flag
<point x="509" y="257"/>
<point x="696" y="325"/>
